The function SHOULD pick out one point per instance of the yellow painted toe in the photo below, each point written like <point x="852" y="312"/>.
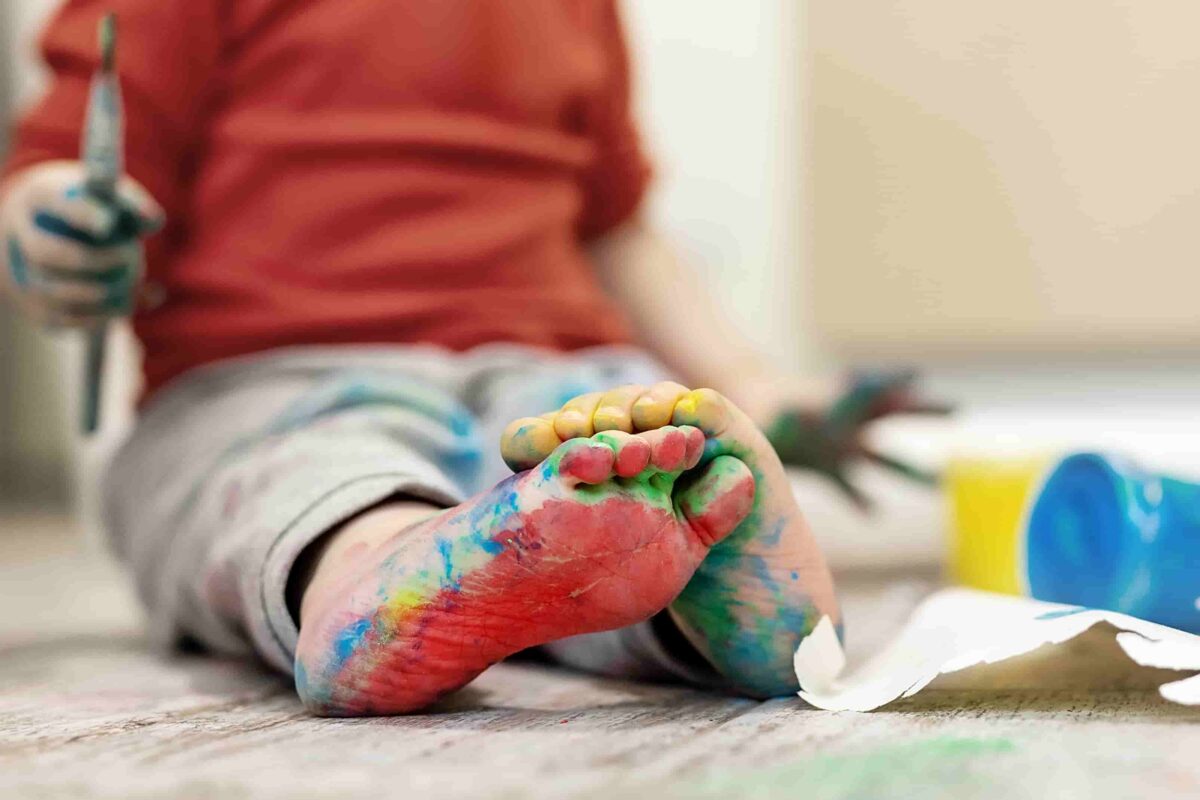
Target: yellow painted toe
<point x="526" y="442"/>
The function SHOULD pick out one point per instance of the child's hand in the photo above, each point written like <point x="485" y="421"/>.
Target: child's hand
<point x="826" y="437"/>
<point x="68" y="258"/>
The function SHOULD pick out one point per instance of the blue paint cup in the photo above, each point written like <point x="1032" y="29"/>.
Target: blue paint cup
<point x="1104" y="533"/>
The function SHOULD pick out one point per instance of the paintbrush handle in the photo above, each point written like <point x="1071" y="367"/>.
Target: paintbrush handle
<point x="93" y="374"/>
<point x="103" y="159"/>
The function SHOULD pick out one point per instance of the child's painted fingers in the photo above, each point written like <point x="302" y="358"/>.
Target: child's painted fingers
<point x="655" y="407"/>
<point x="56" y="189"/>
<point x="66" y="298"/>
<point x="574" y="419"/>
<point x="53" y="318"/>
<point x="72" y="210"/>
<point x="73" y="304"/>
<point x="615" y="409"/>
<point x="49" y="250"/>
<point x="527" y="442"/>
<point x="78" y="297"/>
<point x="56" y="303"/>
<point x="134" y="197"/>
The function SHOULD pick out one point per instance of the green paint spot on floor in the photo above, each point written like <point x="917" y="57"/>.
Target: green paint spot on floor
<point x="943" y="767"/>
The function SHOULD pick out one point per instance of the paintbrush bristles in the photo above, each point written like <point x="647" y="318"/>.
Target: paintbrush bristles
<point x="108" y="42"/>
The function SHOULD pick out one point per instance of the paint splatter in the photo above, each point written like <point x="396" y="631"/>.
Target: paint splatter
<point x="941" y="767"/>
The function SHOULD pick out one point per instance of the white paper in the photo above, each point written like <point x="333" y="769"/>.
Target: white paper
<point x="958" y="628"/>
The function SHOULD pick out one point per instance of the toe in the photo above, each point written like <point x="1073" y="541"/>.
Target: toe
<point x="527" y="442"/>
<point x="631" y="454"/>
<point x="706" y="409"/>
<point x="583" y="461"/>
<point x="574" y="420"/>
<point x="695" y="446"/>
<point x="615" y="409"/>
<point x="653" y="409"/>
<point x="668" y="448"/>
<point x="718" y="499"/>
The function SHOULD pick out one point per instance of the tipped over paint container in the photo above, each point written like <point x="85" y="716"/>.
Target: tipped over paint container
<point x="1105" y="533"/>
<point x="989" y="497"/>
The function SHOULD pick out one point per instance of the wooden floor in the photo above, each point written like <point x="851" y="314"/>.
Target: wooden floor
<point x="87" y="712"/>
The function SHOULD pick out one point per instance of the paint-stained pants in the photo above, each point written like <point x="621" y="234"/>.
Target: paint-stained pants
<point x="234" y="469"/>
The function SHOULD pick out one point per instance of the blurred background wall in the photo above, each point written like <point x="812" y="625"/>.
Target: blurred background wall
<point x="1018" y="177"/>
<point x="1003" y="193"/>
<point x="34" y="449"/>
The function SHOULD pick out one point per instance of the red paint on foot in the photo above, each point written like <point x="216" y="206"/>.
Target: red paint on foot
<point x="633" y="457"/>
<point x="567" y="568"/>
<point x="724" y="513"/>
<point x="671" y="451"/>
<point x="590" y="463"/>
<point x="695" y="446"/>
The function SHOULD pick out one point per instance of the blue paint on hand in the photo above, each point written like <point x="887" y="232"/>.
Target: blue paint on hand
<point x="16" y="264"/>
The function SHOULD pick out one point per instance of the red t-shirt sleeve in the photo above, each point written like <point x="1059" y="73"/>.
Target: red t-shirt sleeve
<point x="616" y="182"/>
<point x="167" y="52"/>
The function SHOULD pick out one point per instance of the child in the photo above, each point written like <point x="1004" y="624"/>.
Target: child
<point x="387" y="230"/>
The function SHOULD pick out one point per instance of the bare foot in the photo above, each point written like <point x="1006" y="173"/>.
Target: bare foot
<point x="764" y="587"/>
<point x="598" y="535"/>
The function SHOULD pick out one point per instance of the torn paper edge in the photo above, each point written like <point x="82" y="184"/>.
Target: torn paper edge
<point x="954" y="629"/>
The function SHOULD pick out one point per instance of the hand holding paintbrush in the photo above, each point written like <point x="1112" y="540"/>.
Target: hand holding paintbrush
<point x="72" y="230"/>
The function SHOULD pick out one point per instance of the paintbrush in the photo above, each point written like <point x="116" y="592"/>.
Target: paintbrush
<point x="103" y="160"/>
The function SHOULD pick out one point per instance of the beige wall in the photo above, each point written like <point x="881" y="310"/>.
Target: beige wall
<point x="719" y="93"/>
<point x="1020" y="176"/>
<point x="33" y="438"/>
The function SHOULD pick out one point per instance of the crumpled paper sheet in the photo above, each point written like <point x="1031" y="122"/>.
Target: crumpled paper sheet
<point x="958" y="628"/>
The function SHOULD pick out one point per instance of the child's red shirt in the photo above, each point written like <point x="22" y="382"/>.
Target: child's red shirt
<point x="362" y="170"/>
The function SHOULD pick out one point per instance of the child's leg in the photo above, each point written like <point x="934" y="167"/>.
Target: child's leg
<point x="403" y="608"/>
<point x="761" y="590"/>
<point x="234" y="473"/>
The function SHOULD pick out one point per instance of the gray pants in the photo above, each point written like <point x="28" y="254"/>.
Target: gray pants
<point x="234" y="469"/>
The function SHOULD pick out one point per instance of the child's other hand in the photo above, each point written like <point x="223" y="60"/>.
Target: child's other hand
<point x="814" y="427"/>
<point x="70" y="259"/>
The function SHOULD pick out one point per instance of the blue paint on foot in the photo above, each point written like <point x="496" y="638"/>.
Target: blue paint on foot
<point x="445" y="549"/>
<point x="349" y="640"/>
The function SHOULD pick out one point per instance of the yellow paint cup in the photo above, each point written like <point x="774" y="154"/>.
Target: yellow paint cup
<point x="989" y="499"/>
